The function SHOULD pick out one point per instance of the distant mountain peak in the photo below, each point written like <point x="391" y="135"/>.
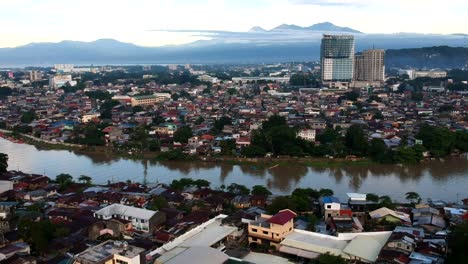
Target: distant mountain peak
<point x="327" y="26"/>
<point x="287" y="27"/>
<point x="324" y="26"/>
<point x="257" y="29"/>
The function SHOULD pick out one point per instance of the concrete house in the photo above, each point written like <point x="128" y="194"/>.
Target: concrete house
<point x="271" y="230"/>
<point x="142" y="219"/>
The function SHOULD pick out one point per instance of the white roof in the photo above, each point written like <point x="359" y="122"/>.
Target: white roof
<point x="365" y="246"/>
<point x="384" y="211"/>
<point x="210" y="235"/>
<point x="260" y="258"/>
<point x="123" y="210"/>
<point x="206" y="255"/>
<point x="357" y="196"/>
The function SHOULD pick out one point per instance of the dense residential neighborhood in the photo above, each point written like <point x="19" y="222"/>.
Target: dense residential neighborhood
<point x="46" y="220"/>
<point x="255" y="113"/>
<point x="210" y="111"/>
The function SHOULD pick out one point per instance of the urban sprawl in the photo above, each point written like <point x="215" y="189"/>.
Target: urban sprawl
<point x="347" y="108"/>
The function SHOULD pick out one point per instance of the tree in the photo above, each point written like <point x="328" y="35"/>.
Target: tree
<point x="183" y="134"/>
<point x="220" y="123"/>
<point x="157" y="203"/>
<point x="413" y="197"/>
<point x="64" y="180"/>
<point x="260" y="190"/>
<point x="85" y="179"/>
<point x="201" y="183"/>
<point x="325" y="192"/>
<point x="199" y="120"/>
<point x="378" y="151"/>
<point x="238" y="189"/>
<point x="3" y="162"/>
<point x="386" y="201"/>
<point x="371" y="197"/>
<point x="39" y="234"/>
<point x="439" y="141"/>
<point x="28" y="117"/>
<point x="458" y="242"/>
<point x="282" y="202"/>
<point x="352" y="96"/>
<point x="356" y="141"/>
<point x="254" y="151"/>
<point x="227" y="146"/>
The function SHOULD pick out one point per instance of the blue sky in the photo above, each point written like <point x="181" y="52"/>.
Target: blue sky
<point x="26" y="21"/>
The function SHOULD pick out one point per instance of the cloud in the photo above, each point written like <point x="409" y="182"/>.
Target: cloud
<point x="329" y="2"/>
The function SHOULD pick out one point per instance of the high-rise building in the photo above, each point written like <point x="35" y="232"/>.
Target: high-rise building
<point x="337" y="58"/>
<point x="35" y="76"/>
<point x="370" y="66"/>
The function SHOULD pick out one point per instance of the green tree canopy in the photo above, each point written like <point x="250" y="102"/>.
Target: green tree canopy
<point x="3" y="162"/>
<point x="413" y="197"/>
<point x="183" y="134"/>
<point x="238" y="189"/>
<point x="356" y="140"/>
<point x="260" y="190"/>
<point x="28" y="117"/>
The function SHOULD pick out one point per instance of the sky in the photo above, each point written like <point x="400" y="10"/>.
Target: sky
<point x="135" y="21"/>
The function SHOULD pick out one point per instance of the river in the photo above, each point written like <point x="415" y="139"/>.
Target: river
<point x="444" y="180"/>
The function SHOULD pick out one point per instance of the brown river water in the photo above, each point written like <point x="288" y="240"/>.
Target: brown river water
<point x="440" y="179"/>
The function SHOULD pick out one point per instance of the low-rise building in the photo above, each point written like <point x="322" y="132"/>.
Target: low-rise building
<point x="270" y="230"/>
<point x="111" y="252"/>
<point x="142" y="219"/>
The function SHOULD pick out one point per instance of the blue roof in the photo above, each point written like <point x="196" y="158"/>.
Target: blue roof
<point x="330" y="199"/>
<point x="9" y="203"/>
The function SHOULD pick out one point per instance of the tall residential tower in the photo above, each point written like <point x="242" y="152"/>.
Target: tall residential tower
<point x="370" y="66"/>
<point x="337" y="58"/>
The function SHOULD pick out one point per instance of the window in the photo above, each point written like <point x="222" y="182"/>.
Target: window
<point x="265" y="232"/>
<point x="254" y="230"/>
<point x="121" y="261"/>
<point x="328" y="206"/>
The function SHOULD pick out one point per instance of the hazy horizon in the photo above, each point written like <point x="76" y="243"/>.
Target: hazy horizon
<point x="32" y="21"/>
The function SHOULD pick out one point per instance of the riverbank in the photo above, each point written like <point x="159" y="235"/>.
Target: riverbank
<point x="260" y="163"/>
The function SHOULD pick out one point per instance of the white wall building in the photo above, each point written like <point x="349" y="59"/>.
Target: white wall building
<point x="139" y="217"/>
<point x="307" y="134"/>
<point x="111" y="252"/>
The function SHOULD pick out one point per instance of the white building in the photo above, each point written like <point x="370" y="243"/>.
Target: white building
<point x="89" y="117"/>
<point x="254" y="79"/>
<point x="141" y="218"/>
<point x="207" y="78"/>
<point x="111" y="252"/>
<point x="64" y="67"/>
<point x="307" y="134"/>
<point x="59" y="81"/>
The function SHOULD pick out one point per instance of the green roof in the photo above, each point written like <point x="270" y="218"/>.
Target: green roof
<point x="143" y="97"/>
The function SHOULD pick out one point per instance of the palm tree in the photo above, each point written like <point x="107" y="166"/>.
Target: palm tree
<point x="85" y="179"/>
<point x="413" y="197"/>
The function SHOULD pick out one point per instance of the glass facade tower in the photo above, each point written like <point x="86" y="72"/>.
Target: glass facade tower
<point x="337" y="58"/>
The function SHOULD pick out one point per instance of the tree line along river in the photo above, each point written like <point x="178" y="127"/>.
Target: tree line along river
<point x="440" y="179"/>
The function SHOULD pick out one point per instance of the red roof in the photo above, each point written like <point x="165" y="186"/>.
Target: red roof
<point x="282" y="217"/>
<point x="465" y="216"/>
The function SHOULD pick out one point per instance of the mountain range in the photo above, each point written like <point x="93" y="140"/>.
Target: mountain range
<point x="280" y="44"/>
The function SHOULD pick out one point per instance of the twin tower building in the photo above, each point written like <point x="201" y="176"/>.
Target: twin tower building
<point x="342" y="68"/>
